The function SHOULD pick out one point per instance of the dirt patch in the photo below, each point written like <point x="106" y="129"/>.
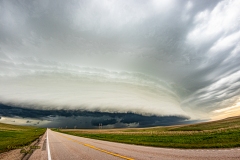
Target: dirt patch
<point x="12" y="155"/>
<point x="22" y="153"/>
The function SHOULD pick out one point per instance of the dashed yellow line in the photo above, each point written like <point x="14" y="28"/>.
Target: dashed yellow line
<point x="93" y="147"/>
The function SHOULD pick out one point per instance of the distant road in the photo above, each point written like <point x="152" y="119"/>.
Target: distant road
<point x="64" y="147"/>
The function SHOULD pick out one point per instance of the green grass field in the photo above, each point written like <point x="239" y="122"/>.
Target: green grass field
<point x="12" y="136"/>
<point x="218" y="134"/>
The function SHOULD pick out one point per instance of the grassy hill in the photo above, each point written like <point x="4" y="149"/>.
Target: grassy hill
<point x="217" y="134"/>
<point x="12" y="136"/>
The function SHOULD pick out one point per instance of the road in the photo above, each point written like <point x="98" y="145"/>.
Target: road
<point x="63" y="147"/>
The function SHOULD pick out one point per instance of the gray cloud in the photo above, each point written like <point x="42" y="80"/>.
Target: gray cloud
<point x="85" y="119"/>
<point x="144" y="57"/>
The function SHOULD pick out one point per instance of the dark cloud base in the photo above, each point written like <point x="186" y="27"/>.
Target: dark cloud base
<point x="88" y="119"/>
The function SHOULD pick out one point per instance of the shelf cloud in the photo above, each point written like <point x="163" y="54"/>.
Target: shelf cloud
<point x="149" y="58"/>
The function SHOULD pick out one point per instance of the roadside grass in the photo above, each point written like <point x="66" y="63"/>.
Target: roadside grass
<point x="218" y="134"/>
<point x="14" y="137"/>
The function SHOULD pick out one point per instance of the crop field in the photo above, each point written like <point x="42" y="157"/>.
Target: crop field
<point x="13" y="137"/>
<point x="217" y="134"/>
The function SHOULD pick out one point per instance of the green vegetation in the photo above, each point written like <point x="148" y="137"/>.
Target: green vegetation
<point x="12" y="136"/>
<point x="218" y="134"/>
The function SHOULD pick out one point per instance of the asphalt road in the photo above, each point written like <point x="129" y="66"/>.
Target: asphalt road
<point x="64" y="147"/>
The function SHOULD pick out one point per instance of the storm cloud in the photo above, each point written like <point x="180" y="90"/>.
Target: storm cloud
<point x="149" y="58"/>
<point x="85" y="119"/>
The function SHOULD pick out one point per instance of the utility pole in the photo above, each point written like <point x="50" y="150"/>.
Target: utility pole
<point x="100" y="125"/>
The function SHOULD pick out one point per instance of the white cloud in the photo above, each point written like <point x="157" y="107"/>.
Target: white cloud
<point x="155" y="57"/>
<point x="48" y="85"/>
<point x="210" y="24"/>
<point x="225" y="43"/>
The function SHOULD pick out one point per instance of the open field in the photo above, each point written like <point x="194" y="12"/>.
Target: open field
<point x="218" y="134"/>
<point x="13" y="137"/>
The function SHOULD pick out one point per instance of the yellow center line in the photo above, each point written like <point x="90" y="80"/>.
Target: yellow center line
<point x="99" y="149"/>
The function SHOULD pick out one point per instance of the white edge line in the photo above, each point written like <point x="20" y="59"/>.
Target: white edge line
<point x="48" y="149"/>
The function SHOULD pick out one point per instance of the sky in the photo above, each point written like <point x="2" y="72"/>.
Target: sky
<point x="172" y="59"/>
